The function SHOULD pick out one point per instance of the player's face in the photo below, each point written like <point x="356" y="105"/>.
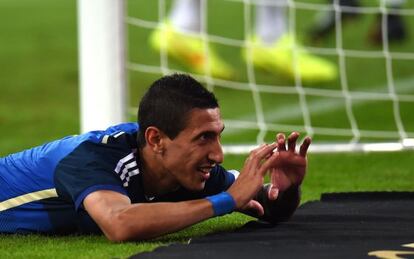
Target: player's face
<point x="190" y="157"/>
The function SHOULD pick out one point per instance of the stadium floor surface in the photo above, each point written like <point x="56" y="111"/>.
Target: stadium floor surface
<point x="343" y="225"/>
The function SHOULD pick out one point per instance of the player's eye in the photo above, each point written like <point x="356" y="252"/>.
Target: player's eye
<point x="203" y="137"/>
<point x="206" y="136"/>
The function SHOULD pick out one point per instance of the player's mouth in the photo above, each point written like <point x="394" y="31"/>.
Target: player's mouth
<point x="205" y="172"/>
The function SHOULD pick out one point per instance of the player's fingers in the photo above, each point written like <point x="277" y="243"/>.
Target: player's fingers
<point x="258" y="154"/>
<point x="280" y="159"/>
<point x="269" y="163"/>
<point x="250" y="160"/>
<point x="281" y="142"/>
<point x="254" y="151"/>
<point x="255" y="207"/>
<point x="293" y="137"/>
<point x="273" y="192"/>
<point x="304" y="147"/>
<point x="266" y="151"/>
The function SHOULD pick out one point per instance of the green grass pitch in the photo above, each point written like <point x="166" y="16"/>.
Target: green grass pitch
<point x="39" y="103"/>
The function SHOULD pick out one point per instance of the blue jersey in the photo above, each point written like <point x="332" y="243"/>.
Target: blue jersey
<point x="42" y="189"/>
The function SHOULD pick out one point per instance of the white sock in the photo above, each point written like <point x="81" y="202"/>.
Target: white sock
<point x="271" y="21"/>
<point x="185" y="15"/>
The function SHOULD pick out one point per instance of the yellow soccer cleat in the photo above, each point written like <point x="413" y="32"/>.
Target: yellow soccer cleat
<point x="279" y="58"/>
<point x="189" y="50"/>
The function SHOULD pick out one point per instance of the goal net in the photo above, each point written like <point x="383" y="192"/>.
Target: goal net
<point x="367" y="107"/>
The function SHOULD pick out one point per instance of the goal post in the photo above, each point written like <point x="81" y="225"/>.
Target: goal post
<point x="101" y="63"/>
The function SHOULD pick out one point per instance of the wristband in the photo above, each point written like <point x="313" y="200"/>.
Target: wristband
<point x="223" y="203"/>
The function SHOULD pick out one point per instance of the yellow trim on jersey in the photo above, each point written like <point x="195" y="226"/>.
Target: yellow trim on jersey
<point x="26" y="198"/>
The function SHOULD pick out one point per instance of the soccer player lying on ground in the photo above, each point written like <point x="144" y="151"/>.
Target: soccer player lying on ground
<point x="138" y="182"/>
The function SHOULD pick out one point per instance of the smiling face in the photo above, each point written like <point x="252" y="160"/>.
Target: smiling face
<point x="190" y="156"/>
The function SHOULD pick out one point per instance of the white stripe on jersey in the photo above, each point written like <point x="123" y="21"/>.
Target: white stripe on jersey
<point x="123" y="161"/>
<point x="105" y="139"/>
<point x="27" y="198"/>
<point x="127" y="169"/>
<point x="130" y="168"/>
<point x="130" y="174"/>
<point x="115" y="135"/>
<point x="118" y="134"/>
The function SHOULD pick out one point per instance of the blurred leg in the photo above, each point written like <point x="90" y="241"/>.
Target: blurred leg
<point x="180" y="38"/>
<point x="271" y="21"/>
<point x="326" y="21"/>
<point x="278" y="51"/>
<point x="185" y="15"/>
<point x="396" y="28"/>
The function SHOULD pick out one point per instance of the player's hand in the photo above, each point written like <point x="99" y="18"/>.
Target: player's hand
<point x="251" y="177"/>
<point x="289" y="166"/>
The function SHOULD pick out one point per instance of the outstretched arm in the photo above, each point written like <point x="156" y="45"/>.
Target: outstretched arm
<point x="120" y="220"/>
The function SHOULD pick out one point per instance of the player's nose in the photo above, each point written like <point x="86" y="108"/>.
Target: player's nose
<point x="216" y="153"/>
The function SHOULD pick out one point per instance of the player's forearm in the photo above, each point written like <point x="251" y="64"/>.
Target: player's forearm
<point x="144" y="221"/>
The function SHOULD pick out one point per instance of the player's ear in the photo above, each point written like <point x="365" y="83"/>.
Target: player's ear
<point x="155" y="139"/>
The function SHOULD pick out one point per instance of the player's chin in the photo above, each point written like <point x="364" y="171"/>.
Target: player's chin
<point x="197" y="185"/>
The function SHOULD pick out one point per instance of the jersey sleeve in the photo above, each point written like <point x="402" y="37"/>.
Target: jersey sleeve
<point x="84" y="171"/>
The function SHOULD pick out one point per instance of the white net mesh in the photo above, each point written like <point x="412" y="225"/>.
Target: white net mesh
<point x="368" y="107"/>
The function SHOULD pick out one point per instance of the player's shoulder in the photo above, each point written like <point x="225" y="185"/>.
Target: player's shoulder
<point x="123" y="136"/>
<point x="129" y="128"/>
<point x="115" y="131"/>
<point x="107" y="145"/>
